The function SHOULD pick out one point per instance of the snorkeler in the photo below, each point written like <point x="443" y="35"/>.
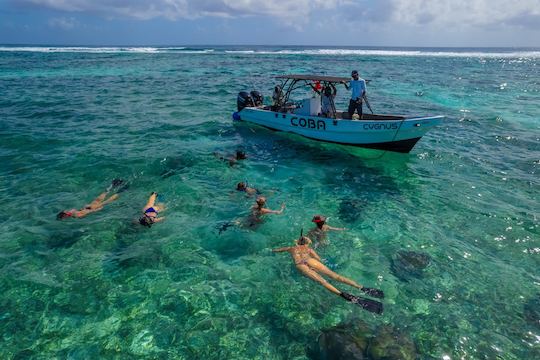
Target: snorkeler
<point x="254" y="219"/>
<point x="151" y="211"/>
<point x="258" y="209"/>
<point x="96" y="204"/>
<point x="233" y="159"/>
<point x="309" y="264"/>
<point x="319" y="232"/>
<point x="243" y="186"/>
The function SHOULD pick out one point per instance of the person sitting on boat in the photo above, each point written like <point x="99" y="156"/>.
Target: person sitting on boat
<point x="97" y="204"/>
<point x="151" y="211"/>
<point x="243" y="186"/>
<point x="358" y="91"/>
<point x="319" y="232"/>
<point x="308" y="262"/>
<point x="327" y="101"/>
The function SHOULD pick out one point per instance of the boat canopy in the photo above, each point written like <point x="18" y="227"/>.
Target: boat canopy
<point x="331" y="79"/>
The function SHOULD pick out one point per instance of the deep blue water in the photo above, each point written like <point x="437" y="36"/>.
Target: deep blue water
<point x="72" y="119"/>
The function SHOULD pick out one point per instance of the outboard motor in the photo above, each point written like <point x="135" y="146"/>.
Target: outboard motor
<point x="243" y="100"/>
<point x="257" y="98"/>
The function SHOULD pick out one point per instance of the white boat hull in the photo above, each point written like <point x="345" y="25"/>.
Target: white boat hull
<point x="395" y="135"/>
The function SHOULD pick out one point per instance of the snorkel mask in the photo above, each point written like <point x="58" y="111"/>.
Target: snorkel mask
<point x="303" y="240"/>
<point x="64" y="214"/>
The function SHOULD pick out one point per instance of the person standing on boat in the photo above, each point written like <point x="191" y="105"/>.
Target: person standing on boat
<point x="358" y="91"/>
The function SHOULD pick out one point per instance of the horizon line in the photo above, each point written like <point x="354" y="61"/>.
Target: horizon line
<point x="269" y="45"/>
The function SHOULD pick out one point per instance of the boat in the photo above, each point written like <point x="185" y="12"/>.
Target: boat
<point x="307" y="118"/>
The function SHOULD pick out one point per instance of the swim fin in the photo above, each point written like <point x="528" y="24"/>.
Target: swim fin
<point x="225" y="226"/>
<point x="373" y="292"/>
<point x="366" y="304"/>
<point x="118" y="184"/>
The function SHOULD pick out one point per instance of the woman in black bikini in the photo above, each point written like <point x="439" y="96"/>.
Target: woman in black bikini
<point x="150" y="211"/>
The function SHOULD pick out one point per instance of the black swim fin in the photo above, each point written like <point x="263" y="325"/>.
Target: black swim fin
<point x="225" y="226"/>
<point x="117" y="182"/>
<point x="366" y="304"/>
<point x="373" y="292"/>
<point x="119" y="185"/>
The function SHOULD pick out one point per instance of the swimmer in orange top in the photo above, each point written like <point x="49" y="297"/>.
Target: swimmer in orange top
<point x="309" y="264"/>
<point x="97" y="204"/>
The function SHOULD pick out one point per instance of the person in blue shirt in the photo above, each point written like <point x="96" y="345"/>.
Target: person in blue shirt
<point x="358" y="90"/>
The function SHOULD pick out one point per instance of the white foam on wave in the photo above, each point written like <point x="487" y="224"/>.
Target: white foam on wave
<point x="479" y="54"/>
<point x="106" y="50"/>
<point x="329" y="52"/>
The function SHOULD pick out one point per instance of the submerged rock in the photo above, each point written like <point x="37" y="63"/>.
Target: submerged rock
<point x="391" y="344"/>
<point x="357" y="341"/>
<point x="406" y="264"/>
<point x="344" y="341"/>
<point x="350" y="209"/>
<point x="531" y="311"/>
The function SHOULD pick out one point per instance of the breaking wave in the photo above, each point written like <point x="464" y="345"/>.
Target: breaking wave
<point x="263" y="50"/>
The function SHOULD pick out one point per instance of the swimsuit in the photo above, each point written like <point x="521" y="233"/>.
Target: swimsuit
<point x="304" y="258"/>
<point x="151" y="210"/>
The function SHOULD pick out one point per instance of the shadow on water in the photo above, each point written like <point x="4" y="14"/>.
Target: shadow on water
<point x="176" y="164"/>
<point x="132" y="252"/>
<point x="64" y="238"/>
<point x="287" y="145"/>
<point x="230" y="245"/>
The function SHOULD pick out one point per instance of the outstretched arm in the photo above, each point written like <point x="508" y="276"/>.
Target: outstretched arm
<point x="268" y="211"/>
<point x="282" y="249"/>
<point x="335" y="228"/>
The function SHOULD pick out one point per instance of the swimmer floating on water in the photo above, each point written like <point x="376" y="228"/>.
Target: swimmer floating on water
<point x="309" y="264"/>
<point x="97" y="204"/>
<point x="319" y="232"/>
<point x="150" y="211"/>
<point x="255" y="217"/>
<point x="258" y="210"/>
<point x="233" y="159"/>
<point x="243" y="186"/>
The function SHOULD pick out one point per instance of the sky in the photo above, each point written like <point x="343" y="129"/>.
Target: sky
<point x="429" y="23"/>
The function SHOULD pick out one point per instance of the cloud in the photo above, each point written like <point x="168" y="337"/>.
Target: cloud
<point x="445" y="13"/>
<point x="63" y="23"/>
<point x="531" y="21"/>
<point x="459" y="13"/>
<point x="175" y="9"/>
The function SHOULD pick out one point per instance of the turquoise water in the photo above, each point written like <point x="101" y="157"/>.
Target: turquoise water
<point x="71" y="120"/>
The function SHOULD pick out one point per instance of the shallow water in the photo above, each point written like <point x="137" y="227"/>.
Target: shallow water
<point x="102" y="286"/>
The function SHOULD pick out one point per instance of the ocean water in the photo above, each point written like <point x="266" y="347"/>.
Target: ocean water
<point x="72" y="119"/>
